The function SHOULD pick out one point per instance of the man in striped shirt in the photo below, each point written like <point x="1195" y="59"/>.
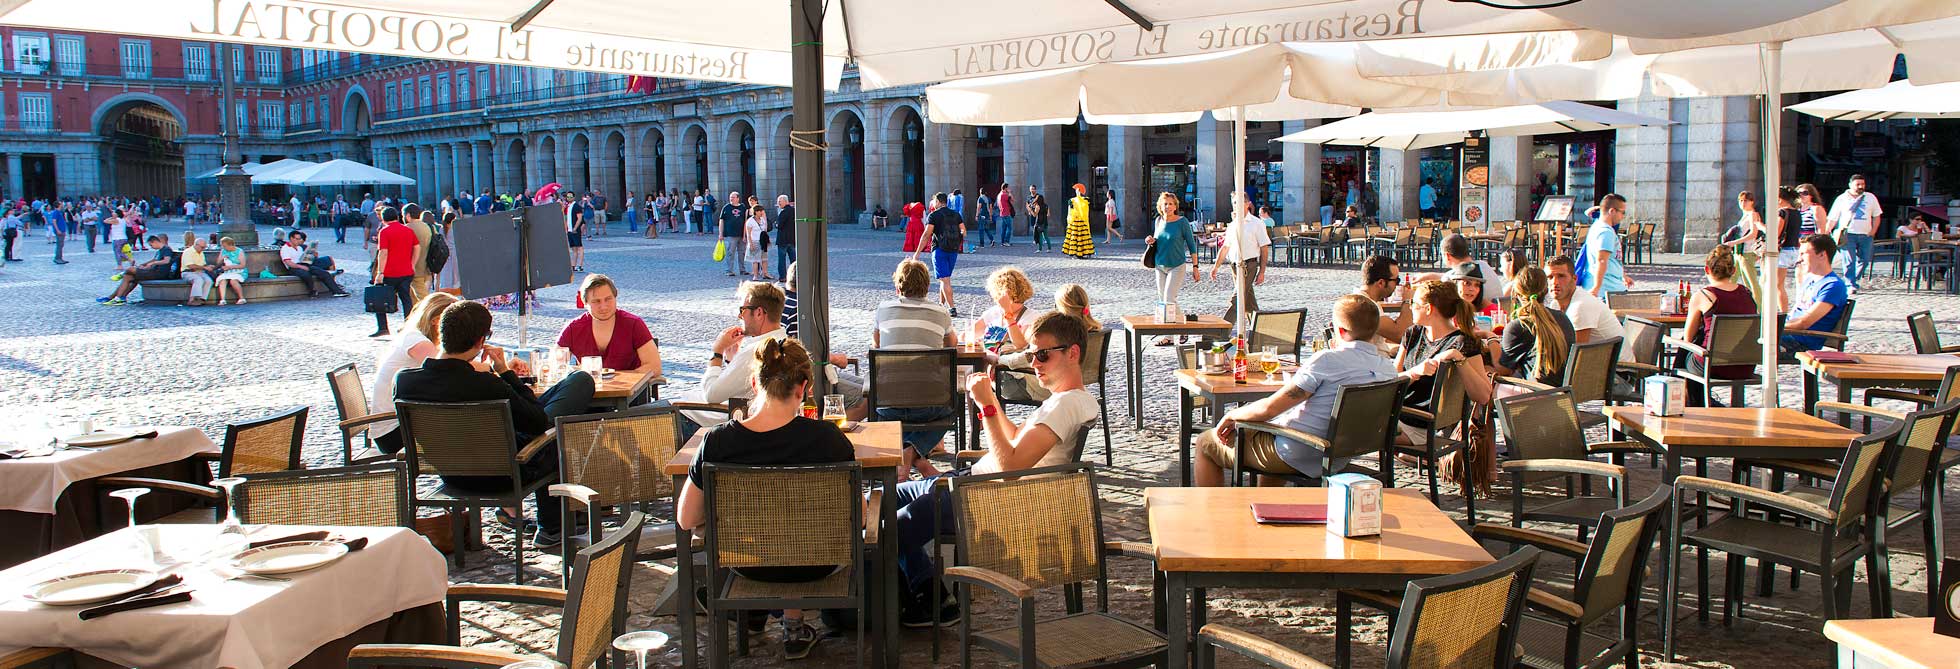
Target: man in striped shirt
<point x="913" y="322"/>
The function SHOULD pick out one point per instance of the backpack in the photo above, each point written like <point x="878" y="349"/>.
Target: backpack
<point x="438" y="255"/>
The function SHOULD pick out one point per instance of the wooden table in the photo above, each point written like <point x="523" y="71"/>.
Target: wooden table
<point x="878" y="446"/>
<point x="1206" y="538"/>
<point x="1141" y="326"/>
<point x="624" y="389"/>
<point x="1220" y="390"/>
<point x="1892" y="643"/>
<point x="1732" y="432"/>
<point x="1670" y="319"/>
<point x="1873" y="370"/>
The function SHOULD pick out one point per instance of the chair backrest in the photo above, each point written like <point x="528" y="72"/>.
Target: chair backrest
<point x="1542" y="425"/>
<point x="1735" y="339"/>
<point x="620" y="455"/>
<point x="1921" y="443"/>
<point x="373" y="495"/>
<point x="269" y="444"/>
<point x="349" y="396"/>
<point x="1469" y="619"/>
<point x="1187" y="356"/>
<point x="1615" y="565"/>
<point x="1278" y="328"/>
<point x="1634" y="299"/>
<point x="1644" y="338"/>
<point x="1040" y="526"/>
<point x="1844" y="321"/>
<point x="595" y="602"/>
<point x="1858" y="481"/>
<point x="913" y="378"/>
<point x="1357" y="428"/>
<point x="459" y="438"/>
<point x="1589" y="369"/>
<point x="1925" y="339"/>
<point x="804" y="516"/>
<point x="1446" y="396"/>
<point x="1095" y="355"/>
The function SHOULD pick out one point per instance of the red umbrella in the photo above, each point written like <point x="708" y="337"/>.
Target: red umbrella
<point x="548" y="191"/>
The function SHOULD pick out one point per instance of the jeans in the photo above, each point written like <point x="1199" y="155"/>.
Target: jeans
<point x="308" y="274"/>
<point x="60" y="244"/>
<point x="732" y="259"/>
<point x="569" y="397"/>
<point x="1006" y="224"/>
<point x="785" y="254"/>
<point x="1169" y="279"/>
<point x="11" y="235"/>
<point x="920" y="508"/>
<point x="1857" y="257"/>
<point x="921" y="441"/>
<point x="89" y="232"/>
<point x="986" y="226"/>
<point x="340" y="232"/>
<point x="400" y="285"/>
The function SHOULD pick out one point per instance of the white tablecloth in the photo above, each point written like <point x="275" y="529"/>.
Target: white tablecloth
<point x="34" y="484"/>
<point x="242" y="624"/>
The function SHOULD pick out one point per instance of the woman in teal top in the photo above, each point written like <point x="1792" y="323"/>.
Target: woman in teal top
<point x="1174" y="243"/>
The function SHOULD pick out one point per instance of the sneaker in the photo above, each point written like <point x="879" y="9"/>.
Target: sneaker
<point x="117" y="302"/>
<point x="799" y="638"/>
<point x="547" y="539"/>
<point x="917" y="614"/>
<point x="103" y="300"/>
<point x="342" y="294"/>
<point x="116" y="277"/>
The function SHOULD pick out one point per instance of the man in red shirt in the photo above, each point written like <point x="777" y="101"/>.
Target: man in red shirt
<point x="394" y="264"/>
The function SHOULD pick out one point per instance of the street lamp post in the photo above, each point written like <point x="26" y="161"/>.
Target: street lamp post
<point x="234" y="185"/>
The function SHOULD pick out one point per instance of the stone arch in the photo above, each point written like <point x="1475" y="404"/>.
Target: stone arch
<point x="609" y="168"/>
<point x="547" y="161"/>
<point x="844" y="166"/>
<point x="738" y="150"/>
<point x="514" y="163"/>
<point x="120" y="103"/>
<point x="904" y="145"/>
<point x="781" y="159"/>
<point x="577" y="173"/>
<point x="140" y="152"/>
<point x="694" y="154"/>
<point x="653" y="157"/>
<point x="356" y="118"/>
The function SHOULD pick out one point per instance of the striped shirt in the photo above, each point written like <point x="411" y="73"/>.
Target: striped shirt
<point x="909" y="323"/>
<point x="789" y="313"/>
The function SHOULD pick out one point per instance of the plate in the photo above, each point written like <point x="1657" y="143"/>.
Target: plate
<point x="89" y="587"/>
<point x="100" y="438"/>
<point x="287" y="558"/>
<point x="608" y="373"/>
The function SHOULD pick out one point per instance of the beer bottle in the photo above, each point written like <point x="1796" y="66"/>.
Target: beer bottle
<point x="1240" y="365"/>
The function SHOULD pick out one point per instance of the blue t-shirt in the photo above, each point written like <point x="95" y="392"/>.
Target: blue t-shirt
<point x="1322" y="377"/>
<point x="1603" y="237"/>
<point x="1829" y="288"/>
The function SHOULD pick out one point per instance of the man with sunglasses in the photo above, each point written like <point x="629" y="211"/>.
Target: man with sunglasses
<point x="1043" y="440"/>
<point x="727" y="375"/>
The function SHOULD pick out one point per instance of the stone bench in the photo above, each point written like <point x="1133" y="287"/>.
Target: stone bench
<point x="178" y="291"/>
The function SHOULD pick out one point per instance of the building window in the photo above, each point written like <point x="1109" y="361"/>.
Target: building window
<point x="36" y="112"/>
<point x="30" y="53"/>
<point x="268" y="64"/>
<point x="483" y="82"/>
<point x="388" y="95"/>
<point x="270" y="116"/>
<point x="463" y="87"/>
<point x="68" y="52"/>
<point x="238" y="116"/>
<point x="237" y="63"/>
<point x="312" y="112"/>
<point x="541" y="78"/>
<point x="442" y="89"/>
<point x="197" y="62"/>
<point x="293" y="112"/>
<point x="428" y="95"/>
<point x="136" y="58"/>
<point x="356" y="60"/>
<point x="326" y="112"/>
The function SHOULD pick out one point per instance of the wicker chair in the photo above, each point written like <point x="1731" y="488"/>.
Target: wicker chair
<point x="594" y="612"/>
<point x="1546" y="440"/>
<point x="370" y="495"/>
<point x="609" y="463"/>
<point x="1838" y="534"/>
<point x="1452" y="409"/>
<point x="1356" y="431"/>
<point x="1914" y="464"/>
<point x="1095" y="369"/>
<point x="1643" y="342"/>
<point x="1734" y="340"/>
<point x="1027" y="530"/>
<point x="474" y="440"/>
<point x="1469" y="619"/>
<point x="357" y="419"/>
<point x="762" y="517"/>
<point x="1635" y="299"/>
<point x="917" y="379"/>
<point x="269" y="444"/>
<point x="1608" y="577"/>
<point x="1834" y="338"/>
<point x="1948" y="391"/>
<point x="1278" y="328"/>
<point x="1925" y="337"/>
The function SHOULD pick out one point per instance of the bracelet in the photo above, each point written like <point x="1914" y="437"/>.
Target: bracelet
<point x="988" y="411"/>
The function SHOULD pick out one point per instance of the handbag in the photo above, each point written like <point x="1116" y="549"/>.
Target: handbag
<point x="379" y="298"/>
<point x="1150" y="252"/>
<point x="721" y="249"/>
<point x="1474" y="467"/>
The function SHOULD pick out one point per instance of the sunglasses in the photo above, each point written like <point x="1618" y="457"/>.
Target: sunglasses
<point x="1040" y="355"/>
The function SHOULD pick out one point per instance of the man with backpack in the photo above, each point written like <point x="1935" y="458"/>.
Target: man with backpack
<point x="424" y="232"/>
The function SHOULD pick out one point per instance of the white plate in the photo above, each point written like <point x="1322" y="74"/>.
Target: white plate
<point x="89" y="587"/>
<point x="289" y="557"/>
<point x="100" y="438"/>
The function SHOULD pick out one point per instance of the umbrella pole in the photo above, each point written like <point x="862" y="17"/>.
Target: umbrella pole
<point x="1241" y="285"/>
<point x="1772" y="224"/>
<point x="806" y="145"/>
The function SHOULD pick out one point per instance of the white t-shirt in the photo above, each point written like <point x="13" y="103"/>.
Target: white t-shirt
<point x="393" y="360"/>
<point x="1588" y="312"/>
<point x="290" y="253"/>
<point x="1243" y="239"/>
<point x="996" y="321"/>
<point x="1067" y="414"/>
<point x="1860" y="212"/>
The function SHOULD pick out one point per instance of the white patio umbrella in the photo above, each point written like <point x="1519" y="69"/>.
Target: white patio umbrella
<point x="339" y="172"/>
<point x="1410" y="130"/>
<point x="266" y="173"/>
<point x="212" y="173"/>
<point x="1899" y="99"/>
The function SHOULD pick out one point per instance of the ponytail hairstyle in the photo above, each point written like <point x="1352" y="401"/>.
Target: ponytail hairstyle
<point x="1531" y="287"/>
<point x="782" y="366"/>
<point x="1442" y="296"/>
<point x="1073" y="299"/>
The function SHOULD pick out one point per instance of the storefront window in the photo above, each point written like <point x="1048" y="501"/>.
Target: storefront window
<point x="1340" y="169"/>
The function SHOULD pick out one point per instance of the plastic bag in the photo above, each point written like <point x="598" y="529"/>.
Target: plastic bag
<point x="721" y="249"/>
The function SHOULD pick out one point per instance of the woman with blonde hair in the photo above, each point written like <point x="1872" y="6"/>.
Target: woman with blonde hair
<point x="416" y="344"/>
<point x="1017" y="379"/>
<point x="1004" y="327"/>
<point x="1537" y="340"/>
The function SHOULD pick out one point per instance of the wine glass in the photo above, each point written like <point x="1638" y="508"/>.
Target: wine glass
<point x="232" y="530"/>
<point x="1269" y="361"/>
<point x="640" y="643"/>
<point x="128" y="496"/>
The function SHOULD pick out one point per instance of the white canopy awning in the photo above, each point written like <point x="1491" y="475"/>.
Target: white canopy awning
<point x="213" y="173"/>
<point x="338" y="172"/>
<point x="275" y="169"/>
<point x="1424" y="129"/>
<point x="1899" y="99"/>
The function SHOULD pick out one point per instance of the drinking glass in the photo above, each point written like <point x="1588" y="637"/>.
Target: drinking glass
<point x="640" y="643"/>
<point x="1269" y="361"/>
<point x="592" y="364"/>
<point x="232" y="531"/>
<point x="833" y="409"/>
<point x="128" y="495"/>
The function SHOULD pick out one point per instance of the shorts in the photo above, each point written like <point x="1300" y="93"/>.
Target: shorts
<point x="943" y="262"/>
<point x="575" y="239"/>
<point x="1788" y="258"/>
<point x="1264" y="457"/>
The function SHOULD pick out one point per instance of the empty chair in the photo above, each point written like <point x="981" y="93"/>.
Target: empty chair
<point x="1925" y="337"/>
<point x="357" y="419"/>
<point x="611" y="463"/>
<point x="1546" y="441"/>
<point x="1635" y="299"/>
<point x="269" y="444"/>
<point x="1278" y="328"/>
<point x="370" y="495"/>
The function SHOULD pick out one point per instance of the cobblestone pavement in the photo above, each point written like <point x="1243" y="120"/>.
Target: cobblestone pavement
<point x="62" y="356"/>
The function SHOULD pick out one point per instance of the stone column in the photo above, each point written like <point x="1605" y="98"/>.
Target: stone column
<point x="1301" y="167"/>
<point x="479" y="169"/>
<point x="884" y="161"/>
<point x="935" y="158"/>
<point x="1014" y="152"/>
<point x="15" y="187"/>
<point x="1510" y="178"/>
<point x="636" y="171"/>
<point x="1724" y="157"/>
<point x="1651" y="169"/>
<point x="1044" y="157"/>
<point x="443" y="166"/>
<point x="780" y="169"/>
<point x="429" y="183"/>
<point x="563" y="171"/>
<point x="680" y="169"/>
<point x="1215" y="163"/>
<point x="1135" y="206"/>
<point x="465" y="176"/>
<point x="1401" y="181"/>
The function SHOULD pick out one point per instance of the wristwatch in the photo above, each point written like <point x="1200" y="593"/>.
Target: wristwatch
<point x="716" y="358"/>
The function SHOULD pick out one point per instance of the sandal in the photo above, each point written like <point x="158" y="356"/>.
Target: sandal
<point x="240" y="301"/>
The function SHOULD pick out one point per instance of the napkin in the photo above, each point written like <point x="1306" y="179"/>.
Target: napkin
<point x="352" y="545"/>
<point x="146" y="592"/>
<point x="138" y="603"/>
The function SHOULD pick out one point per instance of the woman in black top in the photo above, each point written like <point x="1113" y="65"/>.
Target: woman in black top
<point x="1538" y="337"/>
<point x="775" y="433"/>
<point x="1441" y="333"/>
<point x="1788" y="238"/>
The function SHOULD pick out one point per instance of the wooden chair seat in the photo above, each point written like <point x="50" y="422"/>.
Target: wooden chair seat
<point x="837" y="584"/>
<point x="1080" y="640"/>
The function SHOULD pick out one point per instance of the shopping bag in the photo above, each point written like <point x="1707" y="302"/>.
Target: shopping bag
<point x="721" y="249"/>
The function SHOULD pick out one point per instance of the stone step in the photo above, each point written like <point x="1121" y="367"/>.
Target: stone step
<point x="177" y="291"/>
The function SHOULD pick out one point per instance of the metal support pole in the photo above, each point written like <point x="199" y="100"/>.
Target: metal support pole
<point x="807" y="147"/>
<point x="1772" y="223"/>
<point x="1238" y="203"/>
<point x="523" y="225"/>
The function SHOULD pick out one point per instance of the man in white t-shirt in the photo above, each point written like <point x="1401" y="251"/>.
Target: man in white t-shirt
<point x="729" y="369"/>
<point x="1247" y="247"/>
<point x="1590" y="317"/>
<point x="1855" y="214"/>
<point x="1047" y="438"/>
